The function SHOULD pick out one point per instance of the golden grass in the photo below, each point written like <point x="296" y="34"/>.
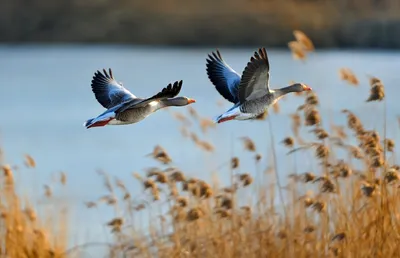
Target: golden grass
<point x="23" y="233"/>
<point x="345" y="208"/>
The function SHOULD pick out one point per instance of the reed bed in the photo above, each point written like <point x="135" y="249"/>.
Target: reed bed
<point x="347" y="207"/>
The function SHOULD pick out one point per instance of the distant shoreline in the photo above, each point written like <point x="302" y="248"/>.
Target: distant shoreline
<point x="352" y="24"/>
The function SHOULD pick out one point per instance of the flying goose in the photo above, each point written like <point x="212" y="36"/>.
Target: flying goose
<point x="250" y="93"/>
<point x="125" y="108"/>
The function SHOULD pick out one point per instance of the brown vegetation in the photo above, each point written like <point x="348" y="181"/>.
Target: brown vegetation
<point x="346" y="208"/>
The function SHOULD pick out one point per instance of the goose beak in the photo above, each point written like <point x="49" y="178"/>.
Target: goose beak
<point x="190" y="101"/>
<point x="307" y="88"/>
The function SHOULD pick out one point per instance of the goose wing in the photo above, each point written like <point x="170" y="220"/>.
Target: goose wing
<point x="225" y="79"/>
<point x="255" y="78"/>
<point x="170" y="91"/>
<point x="108" y="91"/>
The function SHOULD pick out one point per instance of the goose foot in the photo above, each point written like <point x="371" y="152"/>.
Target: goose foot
<point x="224" y="119"/>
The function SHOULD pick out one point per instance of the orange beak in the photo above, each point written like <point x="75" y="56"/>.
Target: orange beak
<point x="305" y="87"/>
<point x="190" y="101"/>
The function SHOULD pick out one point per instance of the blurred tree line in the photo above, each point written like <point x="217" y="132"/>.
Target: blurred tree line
<point x="330" y="23"/>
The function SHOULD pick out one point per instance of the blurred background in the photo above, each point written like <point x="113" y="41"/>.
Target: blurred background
<point x="342" y="23"/>
<point x="49" y="51"/>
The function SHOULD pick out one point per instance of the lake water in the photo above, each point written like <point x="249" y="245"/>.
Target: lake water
<point x="45" y="97"/>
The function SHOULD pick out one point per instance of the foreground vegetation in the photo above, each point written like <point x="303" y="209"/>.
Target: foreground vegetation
<point x="347" y="207"/>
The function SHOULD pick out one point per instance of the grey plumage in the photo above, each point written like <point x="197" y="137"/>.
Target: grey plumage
<point x="250" y="93"/>
<point x="255" y="78"/>
<point x="108" y="91"/>
<point x="125" y="108"/>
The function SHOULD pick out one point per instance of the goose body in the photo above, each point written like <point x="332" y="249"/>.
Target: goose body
<point x="125" y="108"/>
<point x="250" y="93"/>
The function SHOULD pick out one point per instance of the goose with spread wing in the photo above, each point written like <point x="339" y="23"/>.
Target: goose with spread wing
<point x="250" y="93"/>
<point x="125" y="108"/>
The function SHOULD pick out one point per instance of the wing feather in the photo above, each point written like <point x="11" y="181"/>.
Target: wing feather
<point x="170" y="91"/>
<point x="225" y="79"/>
<point x="108" y="91"/>
<point x="255" y="78"/>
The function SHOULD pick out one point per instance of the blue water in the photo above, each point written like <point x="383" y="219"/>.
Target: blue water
<point x="45" y="97"/>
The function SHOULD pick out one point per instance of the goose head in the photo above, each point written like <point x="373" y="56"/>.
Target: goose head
<point x="179" y="101"/>
<point x="299" y="87"/>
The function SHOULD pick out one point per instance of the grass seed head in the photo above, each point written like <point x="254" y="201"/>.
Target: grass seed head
<point x="161" y="155"/>
<point x="205" y="146"/>
<point x="194" y="214"/>
<point x="373" y="80"/>
<point x="297" y="50"/>
<point x="162" y="178"/>
<point x="328" y="186"/>
<point x="149" y="183"/>
<point x="356" y="152"/>
<point x="8" y="174"/>
<point x="320" y="133"/>
<point x="225" y="202"/>
<point x="246" y="179"/>
<point x="312" y="117"/>
<point x="29" y="161"/>
<point x="319" y="206"/>
<point x="182" y="201"/>
<point x="303" y="40"/>
<point x="321" y="151"/>
<point x="139" y="207"/>
<point x="248" y="144"/>
<point x="288" y="142"/>
<point x="391" y="176"/>
<point x="235" y="162"/>
<point x="206" y="123"/>
<point x="389" y="145"/>
<point x="341" y="169"/>
<point x="177" y="176"/>
<point x="308" y="177"/>
<point x="312" y="99"/>
<point x="155" y="191"/>
<point x="116" y="224"/>
<point x="340" y="132"/>
<point x="347" y="75"/>
<point x="353" y="122"/>
<point x="377" y="161"/>
<point x="153" y="171"/>
<point x="127" y="196"/>
<point x="223" y="213"/>
<point x="368" y="189"/>
<point x="377" y="91"/>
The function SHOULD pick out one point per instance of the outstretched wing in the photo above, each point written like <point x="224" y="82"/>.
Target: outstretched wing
<point x="108" y="91"/>
<point x="168" y="92"/>
<point x="255" y="77"/>
<point x="224" y="78"/>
